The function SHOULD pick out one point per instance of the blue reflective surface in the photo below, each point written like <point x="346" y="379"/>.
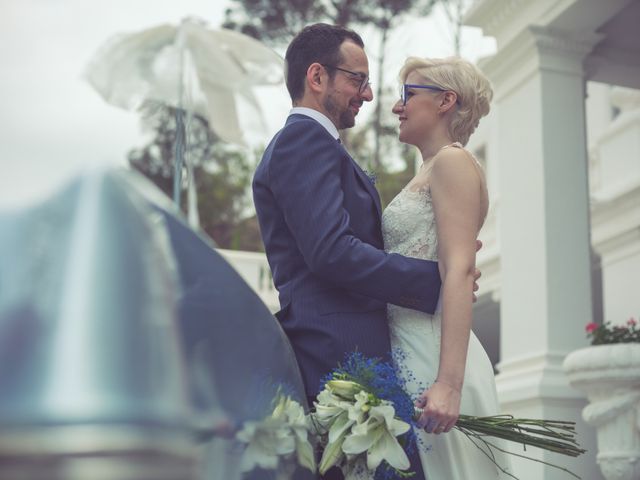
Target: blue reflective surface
<point x="115" y="315"/>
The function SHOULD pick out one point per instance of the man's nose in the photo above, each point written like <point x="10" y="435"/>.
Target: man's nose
<point x="367" y="94"/>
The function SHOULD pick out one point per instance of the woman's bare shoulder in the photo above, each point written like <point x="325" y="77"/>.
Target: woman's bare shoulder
<point x="458" y="162"/>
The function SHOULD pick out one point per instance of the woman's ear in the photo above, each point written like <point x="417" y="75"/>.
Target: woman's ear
<point x="448" y="100"/>
<point x="315" y="80"/>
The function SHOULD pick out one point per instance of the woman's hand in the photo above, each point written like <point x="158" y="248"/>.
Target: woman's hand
<point x="441" y="408"/>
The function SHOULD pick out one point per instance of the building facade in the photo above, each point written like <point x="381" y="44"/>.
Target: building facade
<point x="562" y="150"/>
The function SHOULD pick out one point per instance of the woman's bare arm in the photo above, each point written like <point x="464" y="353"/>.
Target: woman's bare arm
<point x="457" y="195"/>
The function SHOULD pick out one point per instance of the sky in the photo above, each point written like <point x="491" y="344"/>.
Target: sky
<point x="53" y="125"/>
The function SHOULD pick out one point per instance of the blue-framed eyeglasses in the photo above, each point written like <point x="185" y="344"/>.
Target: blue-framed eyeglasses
<point x="404" y="90"/>
<point x="363" y="78"/>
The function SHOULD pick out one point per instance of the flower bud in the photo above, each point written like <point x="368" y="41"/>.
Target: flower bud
<point x="344" y="388"/>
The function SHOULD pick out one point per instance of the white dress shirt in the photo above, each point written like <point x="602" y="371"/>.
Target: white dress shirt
<point x="321" y="118"/>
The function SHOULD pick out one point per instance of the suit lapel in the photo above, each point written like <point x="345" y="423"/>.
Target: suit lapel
<point x="364" y="179"/>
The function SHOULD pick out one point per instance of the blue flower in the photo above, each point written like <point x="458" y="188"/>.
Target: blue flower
<point x="373" y="177"/>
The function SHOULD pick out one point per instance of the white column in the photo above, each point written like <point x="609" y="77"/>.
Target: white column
<point x="544" y="234"/>
<point x="616" y="207"/>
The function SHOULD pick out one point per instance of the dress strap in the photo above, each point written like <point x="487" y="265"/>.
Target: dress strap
<point x="454" y="144"/>
<point x="469" y="154"/>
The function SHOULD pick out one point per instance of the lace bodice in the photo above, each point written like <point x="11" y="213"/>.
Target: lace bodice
<point x="409" y="228"/>
<point x="409" y="225"/>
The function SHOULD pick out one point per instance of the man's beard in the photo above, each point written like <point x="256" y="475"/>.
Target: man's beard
<point x="343" y="119"/>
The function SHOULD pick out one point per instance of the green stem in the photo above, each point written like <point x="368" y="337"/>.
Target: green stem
<point x="556" y="436"/>
<point x="491" y="445"/>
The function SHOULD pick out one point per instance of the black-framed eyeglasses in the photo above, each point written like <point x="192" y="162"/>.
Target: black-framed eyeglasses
<point x="404" y="90"/>
<point x="362" y="77"/>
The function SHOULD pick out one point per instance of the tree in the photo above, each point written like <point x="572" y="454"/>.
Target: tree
<point x="277" y="21"/>
<point x="386" y="15"/>
<point x="273" y="21"/>
<point x="222" y="174"/>
<point x="454" y="11"/>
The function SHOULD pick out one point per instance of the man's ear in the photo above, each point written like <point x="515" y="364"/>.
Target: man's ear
<point x="316" y="77"/>
<point x="447" y="101"/>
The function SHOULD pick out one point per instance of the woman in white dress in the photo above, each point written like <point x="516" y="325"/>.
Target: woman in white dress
<point x="437" y="216"/>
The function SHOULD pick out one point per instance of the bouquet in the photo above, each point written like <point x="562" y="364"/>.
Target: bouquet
<point x="359" y="415"/>
<point x="363" y="417"/>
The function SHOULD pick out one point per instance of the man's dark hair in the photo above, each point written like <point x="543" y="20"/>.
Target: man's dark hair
<point x="320" y="43"/>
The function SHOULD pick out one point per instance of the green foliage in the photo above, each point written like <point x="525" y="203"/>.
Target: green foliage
<point x="396" y="166"/>
<point x="277" y="21"/>
<point x="273" y="21"/>
<point x="398" y="160"/>
<point x="390" y="183"/>
<point x="222" y="175"/>
<point x="606" y="333"/>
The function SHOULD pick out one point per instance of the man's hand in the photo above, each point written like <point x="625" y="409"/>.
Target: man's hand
<point x="476" y="273"/>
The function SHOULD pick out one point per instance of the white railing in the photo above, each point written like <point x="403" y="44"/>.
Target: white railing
<point x="254" y="269"/>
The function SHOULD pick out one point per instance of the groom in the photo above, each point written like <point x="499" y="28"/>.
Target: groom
<point x="320" y="216"/>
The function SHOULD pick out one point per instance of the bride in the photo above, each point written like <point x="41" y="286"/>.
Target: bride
<point x="437" y="216"/>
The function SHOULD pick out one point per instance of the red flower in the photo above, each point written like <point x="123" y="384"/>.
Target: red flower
<point x="607" y="333"/>
<point x="591" y="327"/>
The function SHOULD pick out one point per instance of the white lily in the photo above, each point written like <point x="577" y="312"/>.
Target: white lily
<point x="299" y="423"/>
<point x="338" y="416"/>
<point x="329" y="408"/>
<point x="343" y="388"/>
<point x="377" y="436"/>
<point x="361" y="407"/>
<point x="277" y="438"/>
<point x="355" y="427"/>
<point x="265" y="444"/>
<point x="332" y="454"/>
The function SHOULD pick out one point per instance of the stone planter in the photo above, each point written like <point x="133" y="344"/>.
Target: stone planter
<point x="610" y="377"/>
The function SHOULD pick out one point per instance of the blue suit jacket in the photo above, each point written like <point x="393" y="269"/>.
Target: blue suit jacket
<point x="320" y="219"/>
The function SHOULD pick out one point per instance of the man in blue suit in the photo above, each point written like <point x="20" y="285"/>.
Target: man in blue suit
<point x="320" y="216"/>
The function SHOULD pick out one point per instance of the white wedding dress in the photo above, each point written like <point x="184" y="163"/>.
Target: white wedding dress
<point x="409" y="228"/>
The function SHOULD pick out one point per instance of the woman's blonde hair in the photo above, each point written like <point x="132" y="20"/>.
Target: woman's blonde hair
<point x="465" y="79"/>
